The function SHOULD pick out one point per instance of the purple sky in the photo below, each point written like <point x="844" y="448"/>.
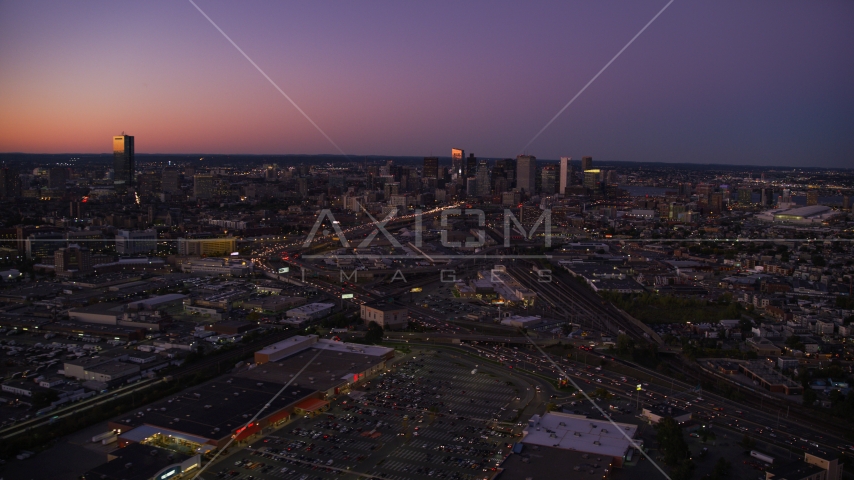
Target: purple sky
<point x="753" y="82"/>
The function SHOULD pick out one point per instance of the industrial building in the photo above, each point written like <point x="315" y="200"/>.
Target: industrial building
<point x="310" y="312"/>
<point x="337" y="367"/>
<point x="769" y="379"/>
<point x="581" y="434"/>
<point x="206" y="418"/>
<point x="143" y="462"/>
<point x="816" y="465"/>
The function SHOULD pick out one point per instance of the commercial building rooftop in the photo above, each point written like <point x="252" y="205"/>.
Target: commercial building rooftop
<point x="579" y="433"/>
<point x="332" y="368"/>
<point x="135" y="462"/>
<point x="215" y="409"/>
<point x="794" y="470"/>
<point x="385" y="306"/>
<point x="541" y="463"/>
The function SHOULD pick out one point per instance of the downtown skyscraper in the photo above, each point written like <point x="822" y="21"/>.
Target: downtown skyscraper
<point x="586" y="163"/>
<point x="565" y="174"/>
<point x="526" y="173"/>
<point x="431" y="167"/>
<point x="124" y="163"/>
<point x="484" y="184"/>
<point x="458" y="157"/>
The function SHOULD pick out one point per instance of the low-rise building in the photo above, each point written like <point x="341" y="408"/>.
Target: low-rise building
<point x="579" y="433"/>
<point x="655" y="413"/>
<point x="390" y="316"/>
<point x="310" y="312"/>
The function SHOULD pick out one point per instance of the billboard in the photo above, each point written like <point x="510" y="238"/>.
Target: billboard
<point x="346" y="295"/>
<point x="284" y="269"/>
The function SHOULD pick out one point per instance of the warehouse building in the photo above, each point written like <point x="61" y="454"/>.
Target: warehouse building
<point x="336" y="369"/>
<point x="143" y="462"/>
<point x="312" y="311"/>
<point x="206" y="418"/>
<point x="581" y="434"/>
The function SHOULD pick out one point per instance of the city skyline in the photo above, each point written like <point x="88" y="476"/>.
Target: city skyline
<point x="728" y="85"/>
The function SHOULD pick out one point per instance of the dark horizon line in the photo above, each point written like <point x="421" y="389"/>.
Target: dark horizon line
<point x="354" y="159"/>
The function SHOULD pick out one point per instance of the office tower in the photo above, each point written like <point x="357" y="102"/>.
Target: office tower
<point x="471" y="186"/>
<point x="586" y="163"/>
<point x="203" y="186"/>
<point x="704" y="192"/>
<point x="565" y="174"/>
<point x="846" y="203"/>
<point x="431" y="167"/>
<point x="812" y="197"/>
<point x="391" y="188"/>
<point x="508" y="166"/>
<point x="148" y="183"/>
<point x="548" y="180"/>
<point x="716" y="203"/>
<point x="10" y="182"/>
<point x="170" y="180"/>
<point x="745" y="196"/>
<point x="457" y="158"/>
<point x="767" y="197"/>
<point x="675" y="210"/>
<point x="510" y="199"/>
<point x="591" y="179"/>
<point x="483" y="182"/>
<point x="526" y="173"/>
<point x="123" y="160"/>
<point x="499" y="184"/>
<point x="76" y="209"/>
<point x="611" y="177"/>
<point x="56" y="178"/>
<point x="302" y="186"/>
<point x="471" y="166"/>
<point x="132" y="242"/>
<point x="72" y="260"/>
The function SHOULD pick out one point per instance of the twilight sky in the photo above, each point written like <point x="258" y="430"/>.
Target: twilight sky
<point x="729" y="81"/>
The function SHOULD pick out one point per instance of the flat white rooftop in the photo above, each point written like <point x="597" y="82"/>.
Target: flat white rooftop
<point x="304" y="342"/>
<point x="313" y="307"/>
<point x="575" y="432"/>
<point x="371" y="350"/>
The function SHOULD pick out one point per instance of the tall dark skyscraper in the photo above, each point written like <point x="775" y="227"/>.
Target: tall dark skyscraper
<point x="10" y="182"/>
<point x="526" y="173"/>
<point x="586" y="163"/>
<point x="123" y="160"/>
<point x="471" y="166"/>
<point x="431" y="167"/>
<point x="170" y="180"/>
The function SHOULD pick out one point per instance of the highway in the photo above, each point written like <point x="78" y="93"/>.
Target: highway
<point x="769" y="426"/>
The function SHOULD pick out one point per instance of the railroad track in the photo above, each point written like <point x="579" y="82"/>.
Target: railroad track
<point x="566" y="299"/>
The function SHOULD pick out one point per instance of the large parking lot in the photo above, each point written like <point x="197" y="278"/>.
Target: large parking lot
<point x="430" y="417"/>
